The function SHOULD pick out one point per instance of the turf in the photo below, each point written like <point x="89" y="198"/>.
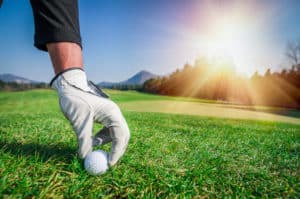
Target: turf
<point x="169" y="155"/>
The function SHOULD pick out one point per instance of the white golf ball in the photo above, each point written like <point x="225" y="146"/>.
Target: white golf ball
<point x="95" y="162"/>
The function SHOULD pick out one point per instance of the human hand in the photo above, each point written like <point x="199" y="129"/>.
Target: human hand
<point x="83" y="105"/>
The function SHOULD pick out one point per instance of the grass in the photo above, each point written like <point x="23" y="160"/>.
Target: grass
<point x="170" y="155"/>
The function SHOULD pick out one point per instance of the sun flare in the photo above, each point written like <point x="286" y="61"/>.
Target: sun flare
<point x="232" y="39"/>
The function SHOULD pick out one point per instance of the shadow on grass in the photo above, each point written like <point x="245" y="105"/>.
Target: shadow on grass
<point x="44" y="153"/>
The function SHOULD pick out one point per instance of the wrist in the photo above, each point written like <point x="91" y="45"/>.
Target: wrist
<point x="63" y="72"/>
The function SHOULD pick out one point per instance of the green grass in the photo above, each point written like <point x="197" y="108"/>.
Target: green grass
<point x="169" y="155"/>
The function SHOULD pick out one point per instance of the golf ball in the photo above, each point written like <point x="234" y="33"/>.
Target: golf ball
<point x="95" y="162"/>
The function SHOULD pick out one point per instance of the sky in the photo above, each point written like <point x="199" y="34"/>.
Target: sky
<point x="122" y="37"/>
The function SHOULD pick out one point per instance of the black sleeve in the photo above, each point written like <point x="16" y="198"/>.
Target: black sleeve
<point x="55" y="21"/>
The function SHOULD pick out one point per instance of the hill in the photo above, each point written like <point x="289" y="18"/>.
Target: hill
<point x="137" y="79"/>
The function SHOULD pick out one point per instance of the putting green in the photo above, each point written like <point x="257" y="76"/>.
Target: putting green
<point x="204" y="109"/>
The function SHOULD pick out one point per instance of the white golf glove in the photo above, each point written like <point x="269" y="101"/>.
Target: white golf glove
<point x="83" y="104"/>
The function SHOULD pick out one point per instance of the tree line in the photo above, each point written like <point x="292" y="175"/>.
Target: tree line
<point x="14" y="86"/>
<point x="275" y="89"/>
<point x="125" y="87"/>
<point x="219" y="81"/>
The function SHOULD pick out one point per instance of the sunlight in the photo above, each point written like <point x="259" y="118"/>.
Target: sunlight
<point x="232" y="38"/>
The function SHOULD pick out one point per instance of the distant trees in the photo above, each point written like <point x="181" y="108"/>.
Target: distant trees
<point x="126" y="87"/>
<point x="293" y="56"/>
<point x="13" y="86"/>
<point x="218" y="81"/>
<point x="293" y="53"/>
<point x="277" y="88"/>
<point x="203" y="80"/>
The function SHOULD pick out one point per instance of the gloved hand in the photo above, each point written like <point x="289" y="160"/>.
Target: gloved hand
<point x="83" y="105"/>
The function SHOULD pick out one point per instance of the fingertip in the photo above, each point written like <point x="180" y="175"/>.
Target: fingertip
<point x="111" y="163"/>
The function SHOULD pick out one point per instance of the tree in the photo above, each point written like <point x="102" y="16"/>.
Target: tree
<point x="268" y="73"/>
<point x="293" y="53"/>
<point x="255" y="75"/>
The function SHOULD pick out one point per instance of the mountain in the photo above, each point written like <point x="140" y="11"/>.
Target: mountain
<point x="137" y="79"/>
<point x="9" y="78"/>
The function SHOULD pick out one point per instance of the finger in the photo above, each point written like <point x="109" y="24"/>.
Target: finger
<point x="120" y="137"/>
<point x="102" y="137"/>
<point x="80" y="116"/>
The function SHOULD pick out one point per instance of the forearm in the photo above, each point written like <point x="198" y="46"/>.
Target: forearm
<point x="65" y="55"/>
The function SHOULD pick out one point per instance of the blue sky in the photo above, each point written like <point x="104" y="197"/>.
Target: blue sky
<point x="121" y="38"/>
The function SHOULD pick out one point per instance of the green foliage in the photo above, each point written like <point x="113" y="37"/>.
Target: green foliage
<point x="168" y="155"/>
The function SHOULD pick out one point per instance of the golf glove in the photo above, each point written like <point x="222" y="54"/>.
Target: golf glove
<point x="83" y="103"/>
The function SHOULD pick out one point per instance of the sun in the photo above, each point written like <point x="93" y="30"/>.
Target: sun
<point x="231" y="39"/>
